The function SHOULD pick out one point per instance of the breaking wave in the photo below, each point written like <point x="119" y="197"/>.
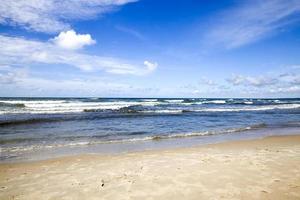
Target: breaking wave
<point x="72" y="143"/>
<point x="142" y="105"/>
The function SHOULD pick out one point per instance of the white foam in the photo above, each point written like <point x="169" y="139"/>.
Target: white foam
<point x="256" y="108"/>
<point x="58" y="106"/>
<point x="150" y="100"/>
<point x="137" y="139"/>
<point x="174" y="100"/>
<point x="74" y="106"/>
<point x="216" y="101"/>
<point x="161" y="111"/>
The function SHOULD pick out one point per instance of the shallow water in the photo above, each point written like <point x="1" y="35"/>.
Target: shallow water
<point x="38" y="126"/>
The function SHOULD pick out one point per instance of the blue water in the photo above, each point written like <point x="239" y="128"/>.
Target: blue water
<point x="29" y="125"/>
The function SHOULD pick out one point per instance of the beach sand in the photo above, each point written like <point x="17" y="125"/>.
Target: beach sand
<point x="266" y="168"/>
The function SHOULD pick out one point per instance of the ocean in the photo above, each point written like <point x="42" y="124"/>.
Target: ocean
<point x="39" y="128"/>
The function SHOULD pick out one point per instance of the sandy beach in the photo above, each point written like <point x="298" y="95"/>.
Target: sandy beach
<point x="256" y="169"/>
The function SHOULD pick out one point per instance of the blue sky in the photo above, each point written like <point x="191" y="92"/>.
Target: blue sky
<point x="150" y="48"/>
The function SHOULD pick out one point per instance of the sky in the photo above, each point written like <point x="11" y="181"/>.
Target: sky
<point x="150" y="48"/>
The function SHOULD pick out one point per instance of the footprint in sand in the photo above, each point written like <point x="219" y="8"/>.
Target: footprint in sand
<point x="264" y="191"/>
<point x="3" y="188"/>
<point x="294" y="186"/>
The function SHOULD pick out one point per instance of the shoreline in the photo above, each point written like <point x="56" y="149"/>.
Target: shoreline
<point x="142" y="145"/>
<point x="259" y="168"/>
<point x="217" y="144"/>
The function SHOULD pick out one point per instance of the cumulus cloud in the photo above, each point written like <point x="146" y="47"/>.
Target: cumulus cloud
<point x="51" y="16"/>
<point x="275" y="84"/>
<point x="71" y="40"/>
<point x="20" y="51"/>
<point x="260" y="81"/>
<point x="151" y="66"/>
<point x="252" y="21"/>
<point x="287" y="82"/>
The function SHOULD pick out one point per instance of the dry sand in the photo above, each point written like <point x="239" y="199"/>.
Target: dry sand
<point x="258" y="169"/>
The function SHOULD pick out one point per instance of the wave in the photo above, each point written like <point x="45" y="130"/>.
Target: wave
<point x="256" y="108"/>
<point x="71" y="106"/>
<point x="205" y="133"/>
<point x="142" y="105"/>
<point x="17" y="140"/>
<point x="215" y="102"/>
<point x="13" y="105"/>
<point x="150" y="100"/>
<point x="30" y="121"/>
<point x="135" y="110"/>
<point x="126" y="140"/>
<point x="174" y="100"/>
<point x="126" y="109"/>
<point x="194" y="101"/>
<point x="230" y="109"/>
<point x="162" y="111"/>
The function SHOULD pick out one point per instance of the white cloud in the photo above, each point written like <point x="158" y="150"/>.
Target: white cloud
<point x="9" y="75"/>
<point x="287" y="83"/>
<point x="150" y="65"/>
<point x="260" y="81"/>
<point x="287" y="89"/>
<point x="130" y="31"/>
<point x="253" y="21"/>
<point x="19" y="51"/>
<point x="52" y="16"/>
<point x="71" y="40"/>
<point x="284" y="84"/>
<point x="206" y="81"/>
<point x="5" y="67"/>
<point x="86" y="85"/>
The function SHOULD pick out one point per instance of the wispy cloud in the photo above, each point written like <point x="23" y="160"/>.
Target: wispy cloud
<point x="23" y="83"/>
<point x="252" y="21"/>
<point x="205" y="81"/>
<point x="130" y="31"/>
<point x="20" y="51"/>
<point x="53" y="16"/>
<point x="9" y="75"/>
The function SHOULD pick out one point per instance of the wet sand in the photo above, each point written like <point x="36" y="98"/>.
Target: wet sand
<point x="266" y="168"/>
